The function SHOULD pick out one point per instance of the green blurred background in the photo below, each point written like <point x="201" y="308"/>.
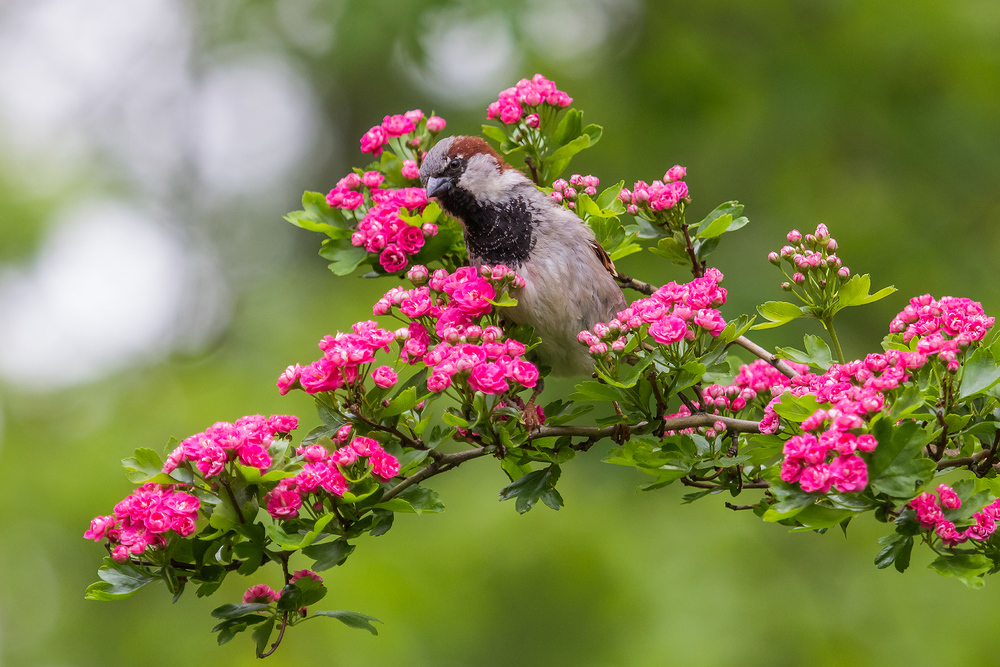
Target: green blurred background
<point x="148" y="287"/>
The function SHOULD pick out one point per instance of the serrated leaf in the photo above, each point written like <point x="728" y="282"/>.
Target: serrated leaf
<point x="346" y="260"/>
<point x="352" y="619"/>
<point x="495" y="133"/>
<point x="529" y="489"/>
<point x="896" y="552"/>
<point x="328" y="554"/>
<point x="898" y="464"/>
<point x="980" y="372"/>
<point x="231" y="611"/>
<point x="778" y="313"/>
<point x="144" y="466"/>
<point x="967" y="568"/>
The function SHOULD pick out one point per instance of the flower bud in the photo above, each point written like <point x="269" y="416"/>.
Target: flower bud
<point x="786" y="286"/>
<point x="632" y="209"/>
<point x="429" y="229"/>
<point x="532" y="121"/>
<point x="844" y="273"/>
<point x="798" y="278"/>
<point x="794" y="236"/>
<point x="435" y="124"/>
<point x="418" y="275"/>
<point x="831" y="245"/>
<point x="773" y="258"/>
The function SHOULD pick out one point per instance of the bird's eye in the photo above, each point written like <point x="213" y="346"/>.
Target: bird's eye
<point x="455" y="163"/>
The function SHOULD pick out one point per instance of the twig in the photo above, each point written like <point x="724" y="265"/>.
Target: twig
<point x="580" y="431"/>
<point x="965" y="461"/>
<point x="697" y="270"/>
<point x="633" y="284"/>
<point x="534" y="171"/>
<point x="281" y="633"/>
<point x="236" y="505"/>
<point x="770" y="358"/>
<point x="737" y="508"/>
<point x="438" y="465"/>
<point x="703" y="419"/>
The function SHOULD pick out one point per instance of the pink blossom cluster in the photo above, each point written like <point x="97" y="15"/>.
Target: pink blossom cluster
<point x="565" y="192"/>
<point x="451" y="306"/>
<point x="143" y="518"/>
<point x="753" y="380"/>
<point x="245" y="441"/>
<point x="674" y="312"/>
<point x="380" y="228"/>
<point x="399" y="125"/>
<point x="811" y="254"/>
<point x="342" y="360"/>
<point x="944" y="327"/>
<point x="511" y="104"/>
<point x="931" y="516"/>
<point x="827" y="454"/>
<point x="325" y="471"/>
<point x="662" y="195"/>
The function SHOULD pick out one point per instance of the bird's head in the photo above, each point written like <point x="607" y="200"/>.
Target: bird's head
<point x="459" y="167"/>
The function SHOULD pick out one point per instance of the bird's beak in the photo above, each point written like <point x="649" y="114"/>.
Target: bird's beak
<point x="436" y="185"/>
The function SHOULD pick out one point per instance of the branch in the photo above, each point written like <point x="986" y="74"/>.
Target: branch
<point x="579" y="431"/>
<point x="438" y="465"/>
<point x="633" y="284"/>
<point x="414" y="443"/>
<point x="704" y="419"/>
<point x="966" y="461"/>
<point x="770" y="358"/>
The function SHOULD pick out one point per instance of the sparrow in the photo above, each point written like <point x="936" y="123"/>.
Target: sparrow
<point x="569" y="279"/>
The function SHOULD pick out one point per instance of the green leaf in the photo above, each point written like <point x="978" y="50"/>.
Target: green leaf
<point x="569" y="128"/>
<point x="262" y="633"/>
<point x="733" y="209"/>
<point x="897" y="466"/>
<point x="855" y="292"/>
<point x="144" y="466"/>
<point x="495" y="133"/>
<point x="119" y="580"/>
<point x="979" y="374"/>
<point x="403" y="401"/>
<point x="817" y="353"/>
<point x="352" y="619"/>
<point x="591" y="390"/>
<point x="329" y="554"/>
<point x="530" y="488"/>
<point x="672" y="249"/>
<point x="345" y="259"/>
<point x="303" y="593"/>
<point x="632" y="374"/>
<point x="796" y="408"/>
<point x="967" y="568"/>
<point x="778" y="313"/>
<point x="790" y="500"/>
<point x="896" y="552"/>
<point x="609" y="196"/>
<point x="230" y="611"/>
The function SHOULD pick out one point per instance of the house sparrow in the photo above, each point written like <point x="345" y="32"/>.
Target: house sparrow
<point x="569" y="278"/>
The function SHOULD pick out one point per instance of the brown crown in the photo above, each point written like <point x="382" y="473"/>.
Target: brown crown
<point x="468" y="146"/>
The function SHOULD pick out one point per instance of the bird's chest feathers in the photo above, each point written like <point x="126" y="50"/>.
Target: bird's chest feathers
<point x="495" y="233"/>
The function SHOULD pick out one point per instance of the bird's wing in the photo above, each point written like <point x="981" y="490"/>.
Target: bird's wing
<point x="604" y="257"/>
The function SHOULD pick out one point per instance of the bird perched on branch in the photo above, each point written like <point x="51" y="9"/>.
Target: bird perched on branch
<point x="569" y="278"/>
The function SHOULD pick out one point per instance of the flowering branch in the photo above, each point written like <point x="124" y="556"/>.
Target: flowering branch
<point x="827" y="439"/>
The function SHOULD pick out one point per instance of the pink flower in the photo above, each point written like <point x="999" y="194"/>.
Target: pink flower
<point x="305" y="574"/>
<point x="410" y="239"/>
<point x="345" y="456"/>
<point x="948" y="496"/>
<point x="372" y="179"/>
<point x="435" y="124"/>
<point x="410" y="169"/>
<point x="668" y="330"/>
<point x="533" y="121"/>
<point x="393" y="259"/>
<point x="398" y="125"/>
<point x="283" y="503"/>
<point x="472" y="297"/>
<point x="849" y="473"/>
<point x="384" y="377"/>
<point x="365" y="446"/>
<point x="384" y="465"/>
<point x="373" y="140"/>
<point x="438" y="382"/>
<point x="288" y="378"/>
<point x="98" y="526"/>
<point x="675" y="173"/>
<point x="488" y="378"/>
<point x="816" y="478"/>
<point x="255" y="456"/>
<point x="260" y="593"/>
<point x="524" y="373"/>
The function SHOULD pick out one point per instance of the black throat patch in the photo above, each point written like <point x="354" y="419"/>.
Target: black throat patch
<point x="494" y="233"/>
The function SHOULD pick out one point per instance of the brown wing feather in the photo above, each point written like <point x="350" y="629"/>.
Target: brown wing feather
<point x="604" y="257"/>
